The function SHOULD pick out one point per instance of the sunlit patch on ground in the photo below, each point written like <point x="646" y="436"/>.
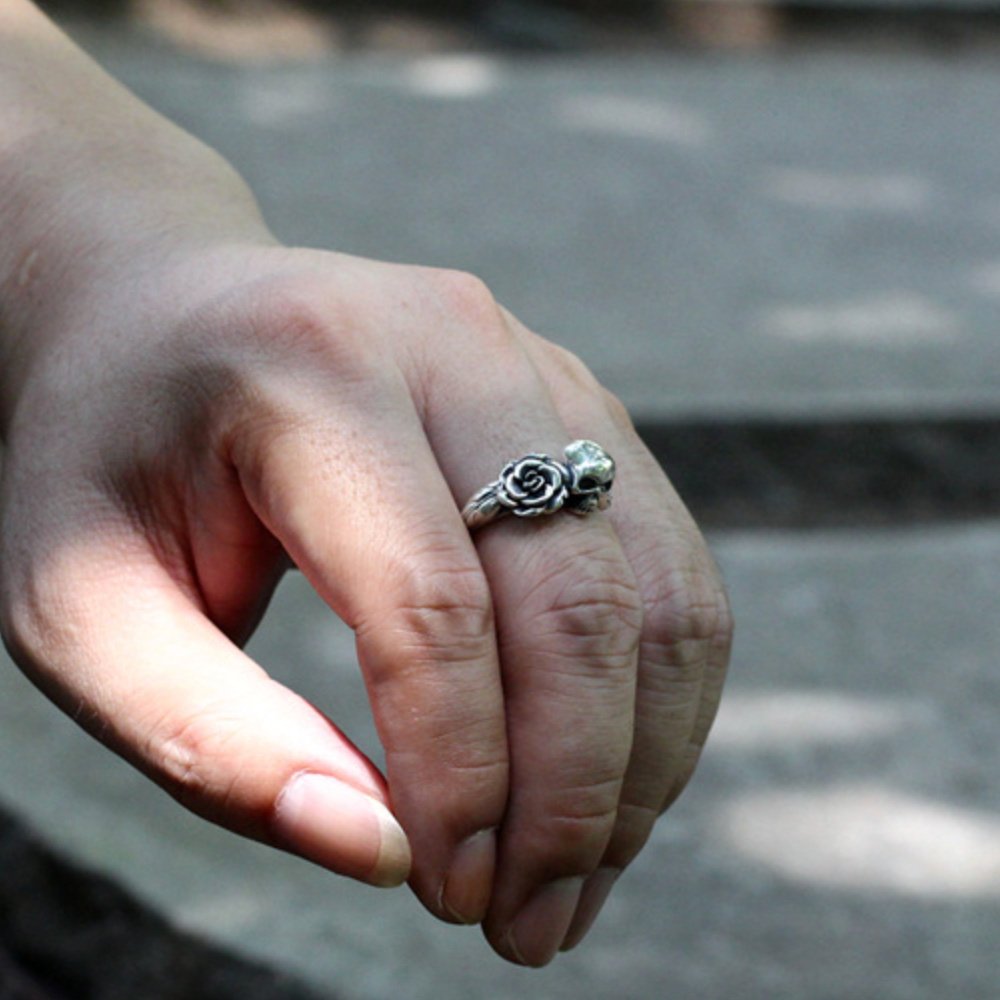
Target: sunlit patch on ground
<point x="868" y="838"/>
<point x="276" y="101"/>
<point x="986" y="280"/>
<point x="632" y="117"/>
<point x="454" y="76"/>
<point x="847" y="192"/>
<point x="887" y="319"/>
<point x="792" y="719"/>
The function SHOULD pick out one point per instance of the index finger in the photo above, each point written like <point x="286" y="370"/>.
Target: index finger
<point x="342" y="473"/>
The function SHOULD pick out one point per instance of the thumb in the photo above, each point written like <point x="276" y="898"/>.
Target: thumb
<point x="104" y="629"/>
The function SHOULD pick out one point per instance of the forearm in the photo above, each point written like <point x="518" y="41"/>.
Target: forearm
<point x="82" y="161"/>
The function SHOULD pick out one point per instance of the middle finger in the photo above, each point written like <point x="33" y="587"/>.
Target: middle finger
<point x="568" y="618"/>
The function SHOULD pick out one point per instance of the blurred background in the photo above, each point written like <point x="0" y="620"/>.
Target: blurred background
<point x="774" y="230"/>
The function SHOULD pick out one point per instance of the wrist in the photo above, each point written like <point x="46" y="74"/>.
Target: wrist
<point x="93" y="186"/>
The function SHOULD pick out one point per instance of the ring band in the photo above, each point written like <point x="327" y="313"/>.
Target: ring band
<point x="536" y="485"/>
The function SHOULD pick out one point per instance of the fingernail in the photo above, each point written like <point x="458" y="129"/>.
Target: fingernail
<point x="342" y="829"/>
<point x="541" y="926"/>
<point x="465" y="893"/>
<point x="595" y="893"/>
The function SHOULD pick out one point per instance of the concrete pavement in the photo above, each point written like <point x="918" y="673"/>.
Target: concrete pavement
<point x="804" y="234"/>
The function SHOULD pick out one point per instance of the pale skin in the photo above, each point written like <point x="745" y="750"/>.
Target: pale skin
<point x="188" y="408"/>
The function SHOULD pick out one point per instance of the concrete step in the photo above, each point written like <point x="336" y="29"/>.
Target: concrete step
<point x="842" y="837"/>
<point x="853" y="473"/>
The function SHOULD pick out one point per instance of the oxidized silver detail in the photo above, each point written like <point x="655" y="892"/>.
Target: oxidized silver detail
<point x="537" y="484"/>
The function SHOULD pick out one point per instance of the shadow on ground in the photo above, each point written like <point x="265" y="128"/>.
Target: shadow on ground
<point x="67" y="933"/>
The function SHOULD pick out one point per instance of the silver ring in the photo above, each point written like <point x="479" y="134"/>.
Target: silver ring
<point x="536" y="485"/>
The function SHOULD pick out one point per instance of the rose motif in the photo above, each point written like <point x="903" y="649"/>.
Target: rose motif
<point x="533" y="485"/>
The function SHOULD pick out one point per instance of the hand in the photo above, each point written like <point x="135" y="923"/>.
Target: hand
<point x="188" y="408"/>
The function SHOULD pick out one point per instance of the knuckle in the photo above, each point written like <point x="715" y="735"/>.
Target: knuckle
<point x="293" y="310"/>
<point x="423" y="651"/>
<point x="573" y="368"/>
<point x="473" y="753"/>
<point x="186" y="754"/>
<point x="580" y="823"/>
<point x="448" y="606"/>
<point x="583" y="838"/>
<point x="692" y="757"/>
<point x="465" y="296"/>
<point x="595" y="803"/>
<point x="461" y="789"/>
<point x="469" y="331"/>
<point x="590" y="602"/>
<point x="689" y="609"/>
<point x="632" y="829"/>
<point x="577" y="372"/>
<point x="480" y="772"/>
<point x="442" y="613"/>
<point x="298" y="320"/>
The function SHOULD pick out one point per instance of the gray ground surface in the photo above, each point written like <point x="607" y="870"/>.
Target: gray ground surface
<point x="725" y="238"/>
<point x="791" y="235"/>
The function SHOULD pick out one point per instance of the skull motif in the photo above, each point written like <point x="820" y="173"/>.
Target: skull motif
<point x="592" y="473"/>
